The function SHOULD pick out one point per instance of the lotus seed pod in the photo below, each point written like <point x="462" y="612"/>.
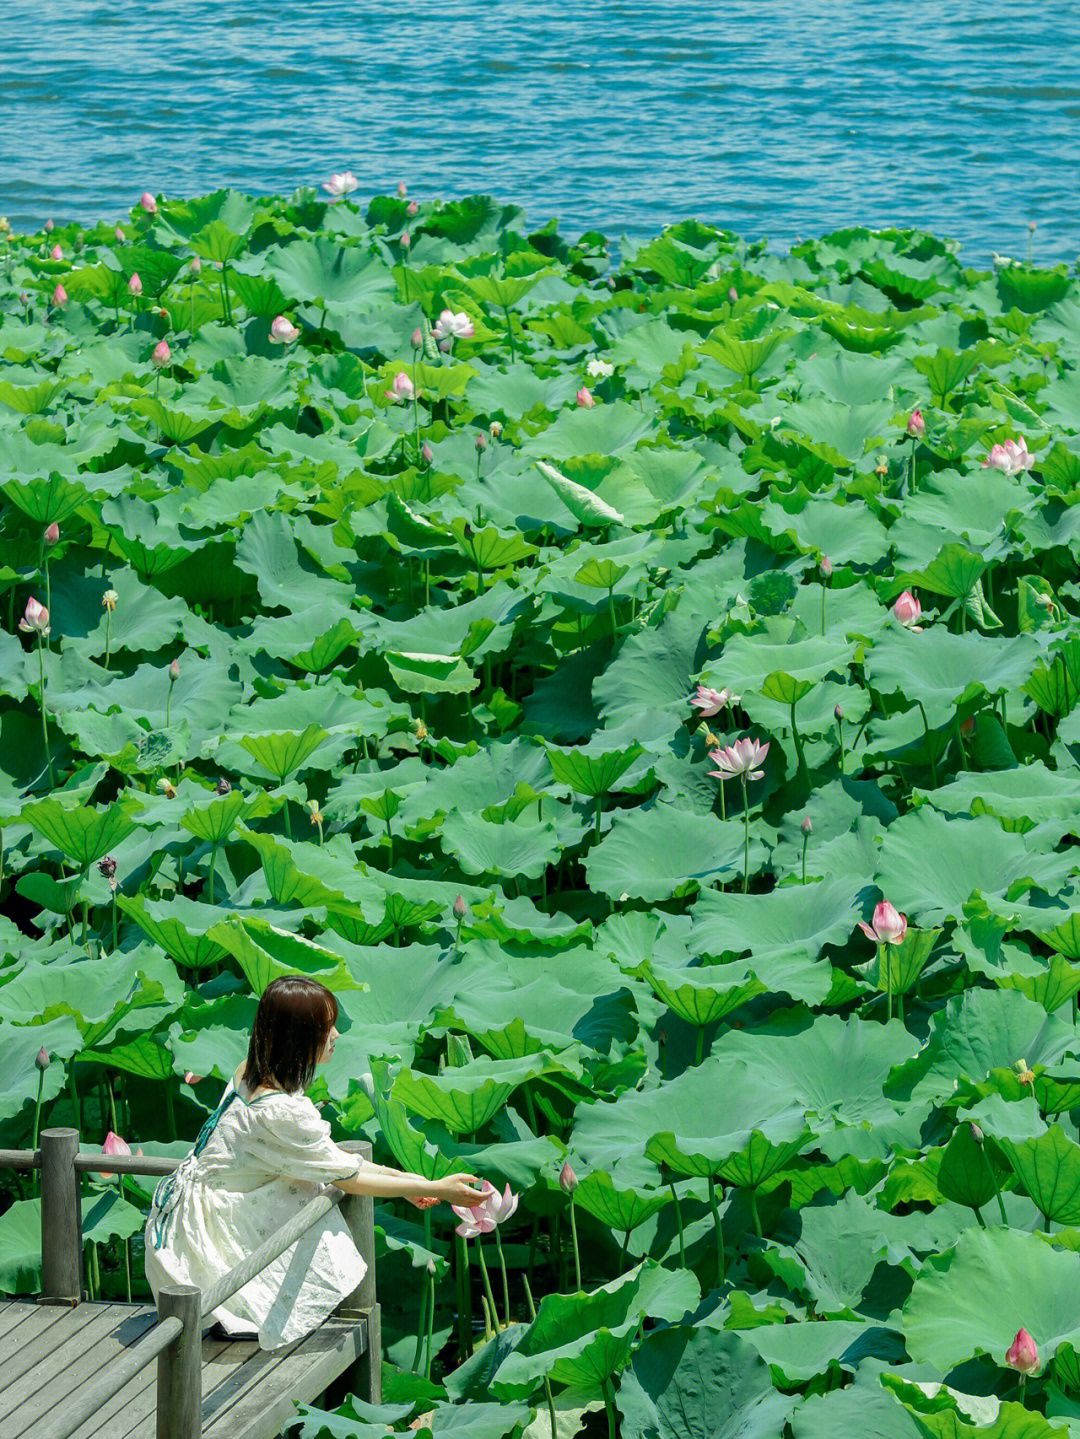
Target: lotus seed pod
<point x="107" y="866"/>
<point x="495" y="430"/>
<point x="109" y="599"/>
<point x="223" y="786"/>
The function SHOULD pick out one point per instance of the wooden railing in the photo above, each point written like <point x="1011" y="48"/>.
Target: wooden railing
<point x="175" y="1340"/>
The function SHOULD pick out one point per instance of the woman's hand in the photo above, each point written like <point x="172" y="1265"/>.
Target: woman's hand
<point x="423" y="1201"/>
<point x="455" y="1189"/>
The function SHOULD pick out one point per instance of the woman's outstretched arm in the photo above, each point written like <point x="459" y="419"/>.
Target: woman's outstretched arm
<point x="384" y="1183"/>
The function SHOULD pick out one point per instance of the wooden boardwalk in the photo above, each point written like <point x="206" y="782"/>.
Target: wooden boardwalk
<point x="48" y="1352"/>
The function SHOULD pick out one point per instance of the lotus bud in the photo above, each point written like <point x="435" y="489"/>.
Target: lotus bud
<point x="412" y="208"/>
<point x="806" y="826"/>
<point x="120" y="236"/>
<point x="162" y="354"/>
<point x="135" y="284"/>
<point x="196" y="265"/>
<point x="223" y="786"/>
<point x="49" y="226"/>
<point x="109" y="599"/>
<point x="402" y="388"/>
<point x="402" y="190"/>
<point x="826" y="566"/>
<point x="431" y="1267"/>
<point x="190" y="1077"/>
<point x="427" y="454"/>
<point x="568" y="1180"/>
<point x="1031" y="227"/>
<point x="283" y="331"/>
<point x="976" y="1132"/>
<point x="967" y="727"/>
<point x="56" y="253"/>
<point x="907" y="608"/>
<point x="481" y="442"/>
<point x="107" y="866"/>
<point x="417" y="338"/>
<point x="41" y="1059"/>
<point x="167" y="788"/>
<point x="174" y="671"/>
<point x="585" y="399"/>
<point x="495" y="430"/>
<point x="59" y="297"/>
<point x="887" y="926"/>
<point x="1023" y="1353"/>
<point x="78" y="244"/>
<point x="916" y="425"/>
<point x="733" y="294"/>
<point x="838" y="711"/>
<point x="35" y="618"/>
<point x="405" y="240"/>
<point x="459" y="907"/>
<point x="24" y="299"/>
<point x="52" y="533"/>
<point x="147" y="201"/>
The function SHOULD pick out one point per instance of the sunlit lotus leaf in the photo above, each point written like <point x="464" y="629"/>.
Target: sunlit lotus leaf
<point x="939" y="1412"/>
<point x="322" y="269"/>
<point x="47" y="501"/>
<point x="464" y="1098"/>
<point x="586" y="507"/>
<point x="105" y="1216"/>
<point x="265" y="952"/>
<point x="179" y="927"/>
<point x="524" y="847"/>
<point x="430" y="673"/>
<point x="283" y="753"/>
<point x="592" y="773"/>
<point x="1048" y="1168"/>
<point x="267" y="550"/>
<point x="662" y="851"/>
<point x="81" y="833"/>
<point x="702" y="995"/>
<point x="584" y="1338"/>
<point x="144" y="1057"/>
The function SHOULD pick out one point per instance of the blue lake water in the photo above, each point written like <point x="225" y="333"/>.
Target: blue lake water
<point x="783" y="118"/>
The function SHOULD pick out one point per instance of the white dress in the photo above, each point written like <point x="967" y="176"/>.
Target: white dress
<point x="255" y="1164"/>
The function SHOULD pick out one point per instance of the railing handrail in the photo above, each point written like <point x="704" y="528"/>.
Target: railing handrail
<point x="86" y="1160"/>
<point x="60" y="1423"/>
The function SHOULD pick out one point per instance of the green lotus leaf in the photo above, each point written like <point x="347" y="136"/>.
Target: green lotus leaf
<point x="583" y="1339"/>
<point x="705" y="995"/>
<point x="145" y="1057"/>
<point x="592" y="773"/>
<point x="46" y="500"/>
<point x="586" y="507"/>
<point x="655" y="853"/>
<point x="281" y="754"/>
<point x="60" y="1038"/>
<point x="430" y="673"/>
<point x="104" y="1217"/>
<point x="523" y="847"/>
<point x="265" y="952"/>
<point x="622" y="1207"/>
<point x="179" y="926"/>
<point x="1048" y="1167"/>
<point x="214" y="819"/>
<point x="322" y="270"/>
<point x="82" y="834"/>
<point x="939" y="1412"/>
<point x="464" y="1098"/>
<point x="966" y="1174"/>
<point x="684" y="1383"/>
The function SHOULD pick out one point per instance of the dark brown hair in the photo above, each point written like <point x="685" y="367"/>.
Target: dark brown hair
<point x="292" y="1024"/>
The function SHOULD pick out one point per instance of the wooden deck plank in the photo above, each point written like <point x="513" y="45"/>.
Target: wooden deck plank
<point x="74" y="1360"/>
<point x="15" y="1312"/>
<point x="28" y="1345"/>
<point x="64" y="1356"/>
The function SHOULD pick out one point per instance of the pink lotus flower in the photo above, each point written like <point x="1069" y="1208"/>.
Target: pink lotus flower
<point x="174" y="671"/>
<point x="114" y="1145"/>
<point x="451" y="326"/>
<point x="711" y="702"/>
<point x="195" y="265"/>
<point x="341" y="184"/>
<point x="35" y="618"/>
<point x="59" y="297"/>
<point x="1023" y="1353"/>
<point x="733" y="294"/>
<point x="739" y="760"/>
<point x="405" y="240"/>
<point x="403" y="388"/>
<point x="494" y="1209"/>
<point x="412" y="208"/>
<point x="888" y="927"/>
<point x="417" y="338"/>
<point x="120" y="236"/>
<point x="427" y="454"/>
<point x="402" y="190"/>
<point x="907" y="610"/>
<point x="916" y="425"/>
<point x="147" y="201"/>
<point x="568" y="1180"/>
<point x="162" y="354"/>
<point x="1010" y="458"/>
<point x="135" y="284"/>
<point x="826" y="566"/>
<point x="283" y="331"/>
<point x="56" y="253"/>
<point x="52" y="533"/>
<point x="585" y="399"/>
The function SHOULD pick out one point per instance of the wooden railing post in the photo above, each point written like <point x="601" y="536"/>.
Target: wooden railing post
<point x="61" y="1219"/>
<point x="179" y="1376"/>
<point x="358" y="1211"/>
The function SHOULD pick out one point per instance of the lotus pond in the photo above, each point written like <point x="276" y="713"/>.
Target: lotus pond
<point x="648" y="697"/>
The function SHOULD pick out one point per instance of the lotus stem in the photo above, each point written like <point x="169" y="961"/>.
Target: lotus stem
<point x="487" y="1281"/>
<point x="213" y="866"/>
<point x="74" y="1092"/>
<point x="960" y="741"/>
<point x="699" y="1053"/>
<point x="678" y="1221"/>
<point x="609" y="1405"/>
<point x="929" y="746"/>
<point x="625" y="1247"/>
<point x="798" y="741"/>
<point x="754" y="1215"/>
<point x="430" y="1326"/>
<point x="489" y="1328"/>
<point x="37" y="1121"/>
<point x="979" y="1220"/>
<point x="805" y="842"/>
<point x="509" y="332"/>
<point x="573" y="1236"/>
<point x="44" y="720"/>
<point x="547" y="1381"/>
<point x="421" y="1326"/>
<point x="108" y="636"/>
<point x="114" y="939"/>
<point x="505" y="1284"/>
<point x="96" y="1269"/>
<point x="840" y="732"/>
<point x="746" y="837"/>
<point x="823" y="593"/>
<point x="597" y="829"/>
<point x="721" y="1258"/>
<point x="723" y="801"/>
<point x="464" y="1298"/>
<point x="170" y="1113"/>
<point x="997" y="1189"/>
<point x="881" y="962"/>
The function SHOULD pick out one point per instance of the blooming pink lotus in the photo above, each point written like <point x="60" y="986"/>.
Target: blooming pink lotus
<point x="887" y="927"/>
<point x="114" y="1145"/>
<point x="1010" y="458"/>
<point x="135" y="284"/>
<point x="585" y="399"/>
<point x="162" y="354"/>
<point x="1023" y="1353"/>
<point x="493" y="1210"/>
<point x="35" y="618"/>
<point x="739" y="760"/>
<point x="711" y="702"/>
<point x="341" y="184"/>
<point x="916" y="425"/>
<point x="60" y="297"/>
<point x="283" y="331"/>
<point x="56" y="253"/>
<point x="451" y="326"/>
<point x="147" y="201"/>
<point x="908" y="610"/>
<point x="403" y="388"/>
